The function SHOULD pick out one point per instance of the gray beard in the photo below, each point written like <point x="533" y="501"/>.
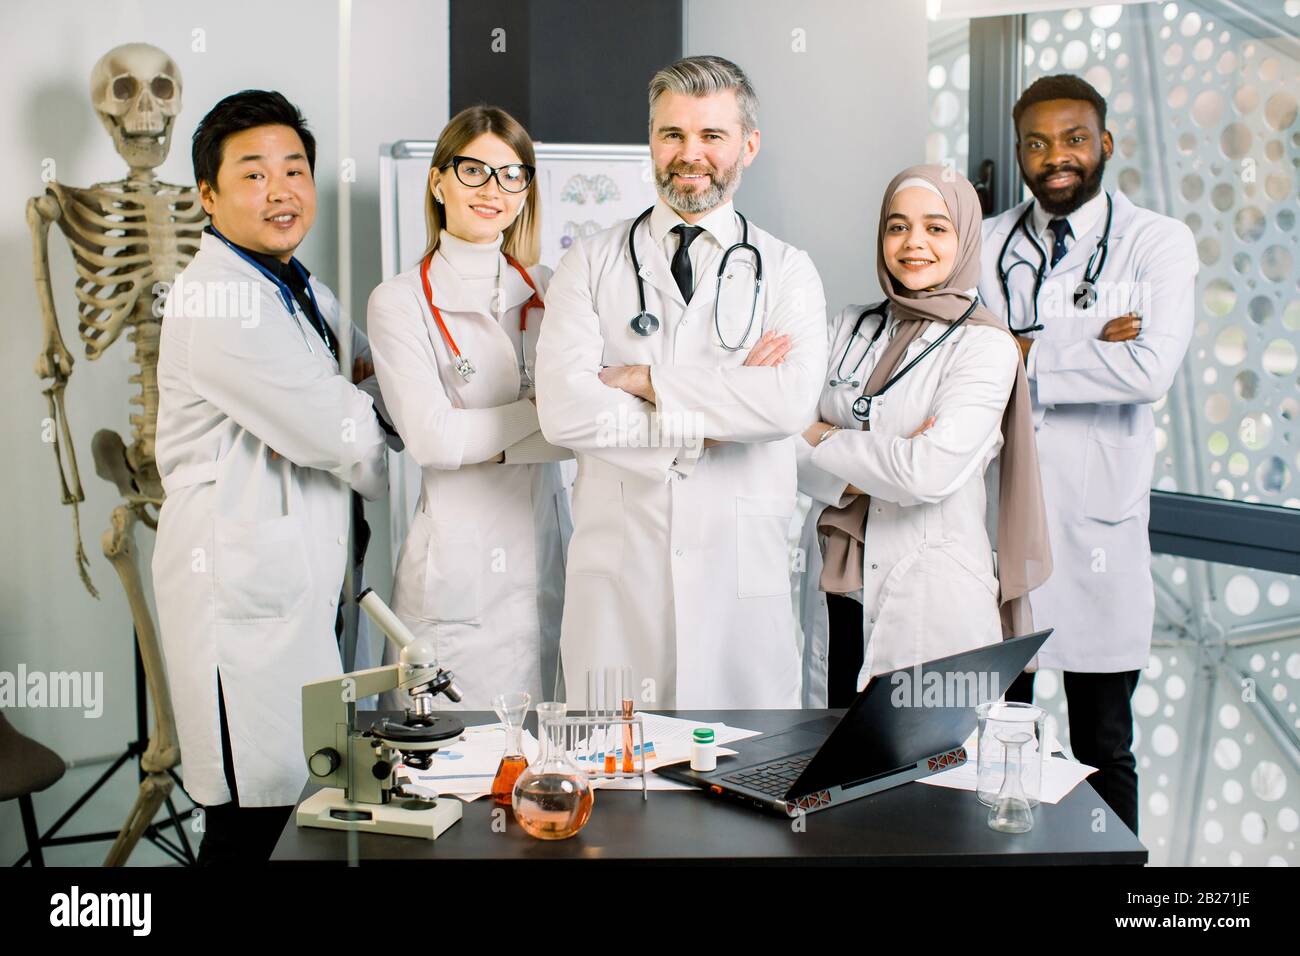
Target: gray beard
<point x="719" y="190"/>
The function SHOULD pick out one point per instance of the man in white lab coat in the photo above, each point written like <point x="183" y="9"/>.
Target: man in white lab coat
<point x="1102" y="339"/>
<point x="681" y="401"/>
<point x="260" y="438"/>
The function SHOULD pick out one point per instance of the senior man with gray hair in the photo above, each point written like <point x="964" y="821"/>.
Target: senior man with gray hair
<point x="681" y="355"/>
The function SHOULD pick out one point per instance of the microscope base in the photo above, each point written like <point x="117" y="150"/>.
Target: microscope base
<point x="327" y="808"/>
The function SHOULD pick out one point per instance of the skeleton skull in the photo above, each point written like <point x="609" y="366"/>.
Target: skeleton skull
<point x="136" y="90"/>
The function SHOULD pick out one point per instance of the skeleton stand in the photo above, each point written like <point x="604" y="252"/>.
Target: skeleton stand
<point x="126" y="838"/>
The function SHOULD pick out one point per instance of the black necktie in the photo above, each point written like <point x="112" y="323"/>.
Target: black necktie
<point x="682" y="260"/>
<point x="1060" y="228"/>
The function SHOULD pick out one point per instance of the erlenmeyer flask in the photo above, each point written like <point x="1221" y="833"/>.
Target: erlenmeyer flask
<point x="553" y="798"/>
<point x="1011" y="813"/>
<point x="511" y="708"/>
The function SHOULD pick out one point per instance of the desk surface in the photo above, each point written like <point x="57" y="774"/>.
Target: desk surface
<point x="908" y="825"/>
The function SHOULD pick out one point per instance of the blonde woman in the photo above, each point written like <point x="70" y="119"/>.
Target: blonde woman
<point x="482" y="569"/>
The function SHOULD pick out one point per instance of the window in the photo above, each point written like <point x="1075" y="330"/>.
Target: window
<point x="1202" y="100"/>
<point x="949" y="83"/>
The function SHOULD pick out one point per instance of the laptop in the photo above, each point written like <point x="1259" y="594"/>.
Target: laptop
<point x="904" y="725"/>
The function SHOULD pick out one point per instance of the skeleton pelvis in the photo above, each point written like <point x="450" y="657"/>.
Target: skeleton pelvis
<point x="113" y="462"/>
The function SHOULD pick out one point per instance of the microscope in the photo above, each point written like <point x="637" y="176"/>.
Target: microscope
<point x="362" y="788"/>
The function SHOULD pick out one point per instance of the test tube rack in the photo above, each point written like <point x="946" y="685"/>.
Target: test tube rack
<point x="595" y="742"/>
<point x="608" y="724"/>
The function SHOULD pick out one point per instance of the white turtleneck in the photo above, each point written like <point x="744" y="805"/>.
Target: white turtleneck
<point x="478" y="264"/>
<point x="512" y="427"/>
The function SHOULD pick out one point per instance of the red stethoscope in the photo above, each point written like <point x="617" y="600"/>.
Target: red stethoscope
<point x="463" y="365"/>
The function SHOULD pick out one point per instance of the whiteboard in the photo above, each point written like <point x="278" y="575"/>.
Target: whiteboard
<point x="583" y="189"/>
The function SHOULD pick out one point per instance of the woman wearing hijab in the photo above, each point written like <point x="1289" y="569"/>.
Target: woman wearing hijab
<point x="453" y="339"/>
<point x="901" y="567"/>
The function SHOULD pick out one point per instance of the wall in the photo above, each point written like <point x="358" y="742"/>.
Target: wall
<point x="843" y="94"/>
<point x="49" y="622"/>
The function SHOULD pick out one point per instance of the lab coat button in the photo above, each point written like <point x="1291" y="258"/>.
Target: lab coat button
<point x="678" y="552"/>
<point x="875" y="567"/>
<point x="343" y="539"/>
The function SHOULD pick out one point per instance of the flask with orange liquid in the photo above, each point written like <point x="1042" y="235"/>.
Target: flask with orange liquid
<point x="511" y="708"/>
<point x="553" y="798"/>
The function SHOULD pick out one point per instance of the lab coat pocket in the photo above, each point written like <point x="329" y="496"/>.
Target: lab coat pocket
<point x="1117" y="475"/>
<point x="261" y="570"/>
<point x="597" y="544"/>
<point x="978" y="572"/>
<point x="762" y="546"/>
<point x="451" y="571"/>
<point x="896" y="617"/>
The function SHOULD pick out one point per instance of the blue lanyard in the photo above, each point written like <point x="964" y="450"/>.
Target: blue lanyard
<point x="286" y="294"/>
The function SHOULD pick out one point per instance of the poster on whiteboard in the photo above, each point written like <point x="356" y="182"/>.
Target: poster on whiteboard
<point x="583" y="189"/>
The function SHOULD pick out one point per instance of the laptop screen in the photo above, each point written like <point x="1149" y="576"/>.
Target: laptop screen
<point x="908" y="715"/>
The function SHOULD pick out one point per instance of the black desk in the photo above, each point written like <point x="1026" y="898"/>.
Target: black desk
<point x="914" y="824"/>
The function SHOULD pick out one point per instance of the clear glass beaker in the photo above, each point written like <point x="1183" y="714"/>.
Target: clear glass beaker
<point x="1009" y="717"/>
<point x="1010" y="812"/>
<point x="553" y="798"/>
<point x="512" y="709"/>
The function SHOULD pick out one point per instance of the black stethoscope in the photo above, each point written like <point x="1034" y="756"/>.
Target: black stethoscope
<point x="647" y="323"/>
<point x="862" y="404"/>
<point x="1085" y="295"/>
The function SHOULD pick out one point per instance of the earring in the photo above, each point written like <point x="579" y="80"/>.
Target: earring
<point x="437" y="198"/>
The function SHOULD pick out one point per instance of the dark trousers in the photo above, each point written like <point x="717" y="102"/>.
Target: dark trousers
<point x="845" y="650"/>
<point x="235" y="835"/>
<point x="1101" y="732"/>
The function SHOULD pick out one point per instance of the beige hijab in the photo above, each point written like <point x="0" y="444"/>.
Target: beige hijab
<point x="1024" y="555"/>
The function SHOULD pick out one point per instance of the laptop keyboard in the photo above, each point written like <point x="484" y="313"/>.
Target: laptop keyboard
<point x="773" y="779"/>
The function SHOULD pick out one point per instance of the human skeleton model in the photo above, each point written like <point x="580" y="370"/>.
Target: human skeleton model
<point x="129" y="240"/>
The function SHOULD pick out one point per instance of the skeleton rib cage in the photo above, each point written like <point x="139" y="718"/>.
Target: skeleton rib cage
<point x="125" y="237"/>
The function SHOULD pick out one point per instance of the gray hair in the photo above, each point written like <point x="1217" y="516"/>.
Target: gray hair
<point x="704" y="76"/>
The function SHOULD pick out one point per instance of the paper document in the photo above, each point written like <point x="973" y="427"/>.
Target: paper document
<point x="667" y="741"/>
<point x="1060" y="776"/>
<point x="465" y="768"/>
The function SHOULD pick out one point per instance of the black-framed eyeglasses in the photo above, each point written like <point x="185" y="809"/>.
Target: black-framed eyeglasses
<point x="514" y="178"/>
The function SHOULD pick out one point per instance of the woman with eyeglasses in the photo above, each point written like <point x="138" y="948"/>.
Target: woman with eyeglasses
<point x="481" y="572"/>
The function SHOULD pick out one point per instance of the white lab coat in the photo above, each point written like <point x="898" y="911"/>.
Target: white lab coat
<point x="929" y="588"/>
<point x="1095" y="427"/>
<point x="251" y="549"/>
<point x="681" y="571"/>
<point x="482" y="569"/>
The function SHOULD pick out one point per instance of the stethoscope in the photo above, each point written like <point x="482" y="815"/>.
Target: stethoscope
<point x="1085" y="295"/>
<point x="862" y="404"/>
<point x="463" y="365"/>
<point x="286" y="294"/>
<point x="647" y="323"/>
